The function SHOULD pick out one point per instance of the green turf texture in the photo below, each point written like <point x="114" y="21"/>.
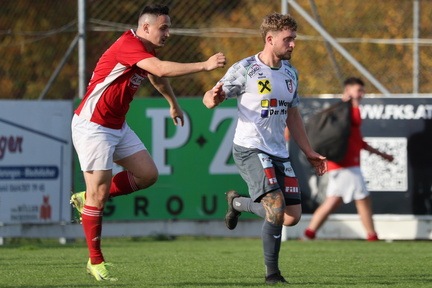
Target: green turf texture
<point x="218" y="262"/>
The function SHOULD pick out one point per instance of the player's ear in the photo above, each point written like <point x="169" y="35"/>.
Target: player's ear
<point x="146" y="27"/>
<point x="269" y="39"/>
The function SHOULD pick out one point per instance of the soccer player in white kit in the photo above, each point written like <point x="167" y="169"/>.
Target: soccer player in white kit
<point x="266" y="89"/>
<point x="99" y="131"/>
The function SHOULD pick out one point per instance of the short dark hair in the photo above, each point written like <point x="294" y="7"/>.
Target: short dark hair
<point x="353" y="81"/>
<point x="155" y="9"/>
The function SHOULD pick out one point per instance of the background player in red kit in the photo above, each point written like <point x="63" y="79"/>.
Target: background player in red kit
<point x="346" y="183"/>
<point x="99" y="131"/>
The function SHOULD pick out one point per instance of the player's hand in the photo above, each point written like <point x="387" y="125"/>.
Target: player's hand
<point x="214" y="97"/>
<point x="216" y="61"/>
<point x="177" y="115"/>
<point x="319" y="162"/>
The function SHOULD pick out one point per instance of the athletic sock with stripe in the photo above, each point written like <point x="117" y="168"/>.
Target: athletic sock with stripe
<point x="122" y="183"/>
<point x="92" y="225"/>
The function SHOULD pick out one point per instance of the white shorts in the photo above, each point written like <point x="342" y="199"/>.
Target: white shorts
<point x="347" y="183"/>
<point x="98" y="146"/>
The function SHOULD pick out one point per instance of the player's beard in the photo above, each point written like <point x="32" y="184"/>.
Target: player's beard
<point x="285" y="56"/>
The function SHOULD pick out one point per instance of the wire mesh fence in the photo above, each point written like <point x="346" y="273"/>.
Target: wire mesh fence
<point x="35" y="35"/>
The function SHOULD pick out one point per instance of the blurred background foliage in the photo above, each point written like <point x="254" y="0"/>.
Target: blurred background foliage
<point x="35" y="34"/>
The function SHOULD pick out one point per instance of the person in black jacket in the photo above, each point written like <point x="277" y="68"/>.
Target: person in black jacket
<point x="346" y="183"/>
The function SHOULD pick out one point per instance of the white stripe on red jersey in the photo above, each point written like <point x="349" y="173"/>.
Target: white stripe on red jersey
<point x="115" y="80"/>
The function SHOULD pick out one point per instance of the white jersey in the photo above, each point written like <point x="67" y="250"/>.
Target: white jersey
<point x="264" y="95"/>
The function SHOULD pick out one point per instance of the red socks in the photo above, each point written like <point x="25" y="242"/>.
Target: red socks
<point x="122" y="183"/>
<point x="309" y="233"/>
<point x="372" y="237"/>
<point x="92" y="225"/>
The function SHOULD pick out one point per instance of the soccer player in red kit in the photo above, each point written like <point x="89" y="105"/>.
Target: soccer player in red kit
<point x="100" y="134"/>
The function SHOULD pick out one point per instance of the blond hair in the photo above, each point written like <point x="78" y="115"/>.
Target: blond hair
<point x="277" y="22"/>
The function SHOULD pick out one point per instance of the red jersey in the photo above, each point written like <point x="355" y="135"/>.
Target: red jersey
<point x="114" y="82"/>
<point x="355" y="144"/>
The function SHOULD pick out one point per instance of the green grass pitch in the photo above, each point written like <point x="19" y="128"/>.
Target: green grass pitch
<point x="218" y="262"/>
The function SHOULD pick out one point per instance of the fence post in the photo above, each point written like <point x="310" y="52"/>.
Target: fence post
<point x="81" y="48"/>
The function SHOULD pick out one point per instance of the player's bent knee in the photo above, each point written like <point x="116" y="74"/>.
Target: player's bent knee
<point x="292" y="215"/>
<point x="290" y="220"/>
<point x="152" y="179"/>
<point x="148" y="180"/>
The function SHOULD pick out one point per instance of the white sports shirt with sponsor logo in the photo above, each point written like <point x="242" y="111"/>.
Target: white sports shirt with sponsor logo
<point x="264" y="95"/>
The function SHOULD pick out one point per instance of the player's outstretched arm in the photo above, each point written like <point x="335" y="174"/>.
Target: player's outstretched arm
<point x="385" y="156"/>
<point x="161" y="68"/>
<point x="296" y="127"/>
<point x="214" y="97"/>
<point x="164" y="87"/>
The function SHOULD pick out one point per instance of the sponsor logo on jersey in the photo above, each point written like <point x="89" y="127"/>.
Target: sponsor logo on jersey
<point x="264" y="86"/>
<point x="253" y="70"/>
<point x="136" y="79"/>
<point x="290" y="85"/>
<point x="269" y="103"/>
<point x="273" y="103"/>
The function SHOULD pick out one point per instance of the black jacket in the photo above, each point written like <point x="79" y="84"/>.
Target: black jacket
<point x="328" y="130"/>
